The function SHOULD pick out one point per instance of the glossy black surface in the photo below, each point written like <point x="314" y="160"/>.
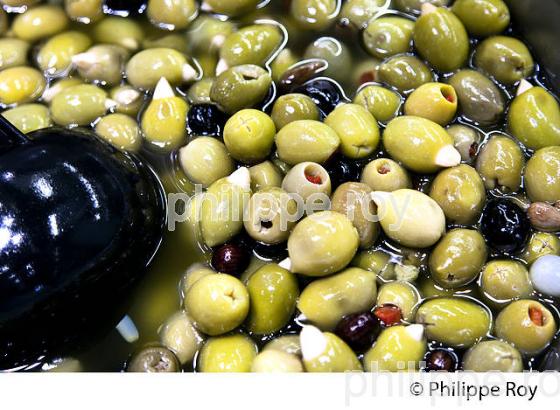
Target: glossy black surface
<point x="231" y="258"/>
<point x="124" y="7"/>
<point x="324" y="92"/>
<point x="505" y="226"/>
<point x="79" y="223"/>
<point x="441" y="360"/>
<point x="343" y="170"/>
<point x="359" y="330"/>
<point x="206" y="119"/>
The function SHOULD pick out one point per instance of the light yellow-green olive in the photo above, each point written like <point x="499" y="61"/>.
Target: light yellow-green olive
<point x="29" y="117"/>
<point x="540" y="244"/>
<point x="101" y="63"/>
<point x="199" y="92"/>
<point x="429" y="288"/>
<point x="542" y="175"/>
<point x="147" y="67"/>
<point x="270" y="215"/>
<point x="306" y="140"/>
<point x="240" y="87"/>
<point x="58" y="86"/>
<point x="249" y="135"/>
<point x="534" y="118"/>
<point x="493" y="356"/>
<point x="506" y="59"/>
<point x="273" y="292"/>
<point x="324" y="302"/>
<point x="55" y="56"/>
<point x="375" y="261"/>
<point x="13" y="52"/>
<point x="326" y="352"/>
<point x="500" y="164"/>
<point x="434" y="101"/>
<point x="419" y="144"/>
<point x="466" y="140"/>
<point x="456" y="322"/>
<point x="398" y="348"/>
<point x="179" y="335"/>
<point x="172" y="15"/>
<point x="40" y="22"/>
<point x="121" y="131"/>
<point x="357" y="129"/>
<point x="122" y="31"/>
<point x="384" y="174"/>
<point x="353" y="199"/>
<point x="128" y="100"/>
<point x="164" y="119"/>
<point x="20" y="85"/>
<point x="217" y="303"/>
<point x="359" y="12"/>
<point x="503" y="281"/>
<point x="251" y="45"/>
<point x="192" y="275"/>
<point x="276" y="361"/>
<point x="460" y="192"/>
<point x="402" y="294"/>
<point x="381" y="102"/>
<point x="265" y="175"/>
<point x="322" y="243"/>
<point x="526" y="324"/>
<point x="440" y="37"/>
<point x="285" y="59"/>
<point x="415" y="6"/>
<point x="232" y="7"/>
<point x="410" y="217"/>
<point x="84" y="11"/>
<point x="458" y="258"/>
<point x="207" y="34"/>
<point x="293" y="107"/>
<point x="205" y="160"/>
<point x="79" y="105"/>
<point x="387" y="36"/>
<point x="314" y="14"/>
<point x="221" y="216"/>
<point x="286" y="343"/>
<point x="404" y="72"/>
<point x="175" y="41"/>
<point x="227" y="354"/>
<point x="337" y="55"/>
<point x="482" y="17"/>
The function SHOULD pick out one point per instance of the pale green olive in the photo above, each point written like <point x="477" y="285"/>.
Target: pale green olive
<point x="102" y="63"/>
<point x="84" y="11"/>
<point x="493" y="356"/>
<point x="384" y="174"/>
<point x="55" y="56"/>
<point x="40" y="22"/>
<point x="193" y="274"/>
<point x="360" y="12"/>
<point x="285" y="343"/>
<point x="376" y="261"/>
<point x="404" y="72"/>
<point x="207" y="34"/>
<point x="466" y="141"/>
<point x="253" y="44"/>
<point x="381" y="102"/>
<point x="180" y="336"/>
<point x="265" y="175"/>
<point x="20" y="85"/>
<point x="124" y="32"/>
<point x="128" y="100"/>
<point x="172" y="14"/>
<point x="227" y="354"/>
<point x="204" y="160"/>
<point x="275" y="361"/>
<point x="199" y="92"/>
<point x="120" y="131"/>
<point x="540" y="244"/>
<point x="293" y="107"/>
<point x="79" y="105"/>
<point x="314" y="14"/>
<point x="13" y="52"/>
<point x="29" y="117"/>
<point x="387" y="36"/>
<point x="308" y="181"/>
<point x="503" y="281"/>
<point x="542" y="175"/>
<point x="401" y="294"/>
<point x="482" y="17"/>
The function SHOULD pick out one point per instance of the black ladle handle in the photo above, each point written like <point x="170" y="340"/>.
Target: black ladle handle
<point x="10" y="135"/>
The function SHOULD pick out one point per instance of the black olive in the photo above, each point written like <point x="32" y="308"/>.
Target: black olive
<point x="551" y="359"/>
<point x="324" y="92"/>
<point x="505" y="225"/>
<point x="124" y="7"/>
<point x="343" y="170"/>
<point x="154" y="359"/>
<point x="441" y="360"/>
<point x="206" y="119"/>
<point x="358" y="330"/>
<point x="231" y="258"/>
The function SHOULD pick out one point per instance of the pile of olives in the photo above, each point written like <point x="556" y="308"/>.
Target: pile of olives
<point x="432" y="116"/>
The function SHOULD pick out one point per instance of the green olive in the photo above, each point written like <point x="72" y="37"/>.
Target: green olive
<point x="40" y="22"/>
<point x="172" y="15"/>
<point x="359" y="12"/>
<point x="503" y="281"/>
<point x="122" y="31"/>
<point x="227" y="354"/>
<point x="440" y="37"/>
<point x="482" y="17"/>
<point x="283" y="61"/>
<point x="55" y="56"/>
<point x="84" y="11"/>
<point x="365" y="72"/>
<point x="505" y="58"/>
<point x="121" y="131"/>
<point x="273" y="292"/>
<point x="526" y="324"/>
<point x="387" y="36"/>
<point x="20" y="85"/>
<point x="410" y="217"/>
<point x="207" y="34"/>
<point x="382" y="103"/>
<point x="493" y="356"/>
<point x="19" y="3"/>
<point x="434" y="101"/>
<point x="153" y="359"/>
<point x="453" y="321"/>
<point x="357" y="129"/>
<point x="324" y="302"/>
<point x="375" y="261"/>
<point x="293" y="107"/>
<point x="285" y="343"/>
<point x="326" y="352"/>
<point x="306" y="140"/>
<point x="401" y="294"/>
<point x="337" y="55"/>
<point x="461" y="194"/>
<point x="322" y="243"/>
<point x="275" y="361"/>
<point x="192" y="275"/>
<point x="205" y="160"/>
<point x="199" y="92"/>
<point x="57" y="86"/>
<point x="265" y="175"/>
<point x="101" y="63"/>
<point x="240" y="87"/>
<point x="384" y="174"/>
<point x="534" y="118"/>
<point x="251" y="45"/>
<point x="128" y="100"/>
<point x="217" y="303"/>
<point x="430" y="288"/>
<point x="232" y="7"/>
<point x="13" y="52"/>
<point x="396" y="348"/>
<point x="179" y="335"/>
<point x="458" y="258"/>
<point x="466" y="140"/>
<point x="29" y="117"/>
<point x="540" y="244"/>
<point x="314" y="14"/>
<point x="419" y="144"/>
<point x="542" y="175"/>
<point x="415" y="6"/>
<point x="270" y="215"/>
<point x="500" y="163"/>
<point x="249" y="135"/>
<point x="404" y="72"/>
<point x="79" y="105"/>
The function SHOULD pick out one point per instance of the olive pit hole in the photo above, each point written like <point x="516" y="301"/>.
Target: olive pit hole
<point x="313" y="176"/>
<point x="536" y="315"/>
<point x="384" y="169"/>
<point x="266" y="224"/>
<point x="447" y="94"/>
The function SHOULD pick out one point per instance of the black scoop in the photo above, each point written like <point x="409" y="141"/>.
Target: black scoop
<point x="79" y="223"/>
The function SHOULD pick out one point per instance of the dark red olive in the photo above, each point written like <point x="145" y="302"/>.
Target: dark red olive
<point x="358" y="330"/>
<point x="231" y="258"/>
<point x="389" y="315"/>
<point x="505" y="226"/>
<point x="441" y="360"/>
